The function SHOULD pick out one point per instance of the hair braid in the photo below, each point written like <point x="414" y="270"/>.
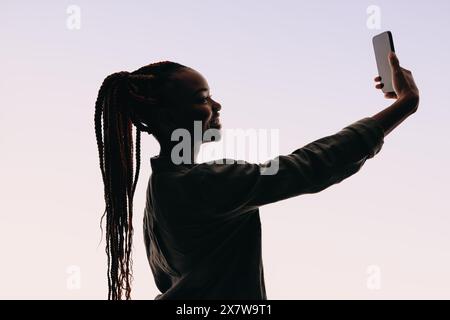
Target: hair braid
<point x="115" y="105"/>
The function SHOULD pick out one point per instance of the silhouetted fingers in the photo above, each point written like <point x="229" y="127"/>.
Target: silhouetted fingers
<point x="377" y="79"/>
<point x="393" y="60"/>
<point x="379" y="86"/>
<point x="390" y="95"/>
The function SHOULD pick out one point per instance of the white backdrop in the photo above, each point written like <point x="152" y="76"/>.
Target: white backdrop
<point x="303" y="67"/>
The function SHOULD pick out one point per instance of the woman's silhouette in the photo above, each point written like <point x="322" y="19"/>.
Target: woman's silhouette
<point x="202" y="227"/>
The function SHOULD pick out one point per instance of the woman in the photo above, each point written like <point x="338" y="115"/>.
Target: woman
<point x="202" y="227"/>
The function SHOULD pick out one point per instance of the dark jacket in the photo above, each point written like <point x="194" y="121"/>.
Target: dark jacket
<point x="202" y="228"/>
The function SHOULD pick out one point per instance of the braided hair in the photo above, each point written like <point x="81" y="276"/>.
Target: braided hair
<point x="124" y="99"/>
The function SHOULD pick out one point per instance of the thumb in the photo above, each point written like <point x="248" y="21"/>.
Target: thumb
<point x="393" y="61"/>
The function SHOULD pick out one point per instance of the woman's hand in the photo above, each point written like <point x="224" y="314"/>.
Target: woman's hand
<point x="403" y="82"/>
<point x="406" y="93"/>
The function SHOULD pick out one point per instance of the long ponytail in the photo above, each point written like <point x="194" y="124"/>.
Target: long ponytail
<point x="115" y="147"/>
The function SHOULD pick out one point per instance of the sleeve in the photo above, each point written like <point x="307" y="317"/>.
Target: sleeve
<point x="231" y="188"/>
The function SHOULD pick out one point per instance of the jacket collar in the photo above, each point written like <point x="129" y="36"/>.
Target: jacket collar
<point x="165" y="163"/>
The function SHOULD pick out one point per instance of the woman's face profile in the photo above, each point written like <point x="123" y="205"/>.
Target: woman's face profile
<point x="190" y="100"/>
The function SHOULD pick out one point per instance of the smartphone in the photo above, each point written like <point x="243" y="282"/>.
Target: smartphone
<point x="383" y="44"/>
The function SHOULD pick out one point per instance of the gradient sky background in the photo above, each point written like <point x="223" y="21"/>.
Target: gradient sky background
<point x="305" y="68"/>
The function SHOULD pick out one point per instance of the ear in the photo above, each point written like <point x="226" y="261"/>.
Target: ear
<point x="165" y="117"/>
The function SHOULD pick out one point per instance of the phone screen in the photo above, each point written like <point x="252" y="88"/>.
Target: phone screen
<point x="383" y="44"/>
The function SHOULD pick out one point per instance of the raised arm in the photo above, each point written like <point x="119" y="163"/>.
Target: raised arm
<point x="230" y="189"/>
<point x="233" y="189"/>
